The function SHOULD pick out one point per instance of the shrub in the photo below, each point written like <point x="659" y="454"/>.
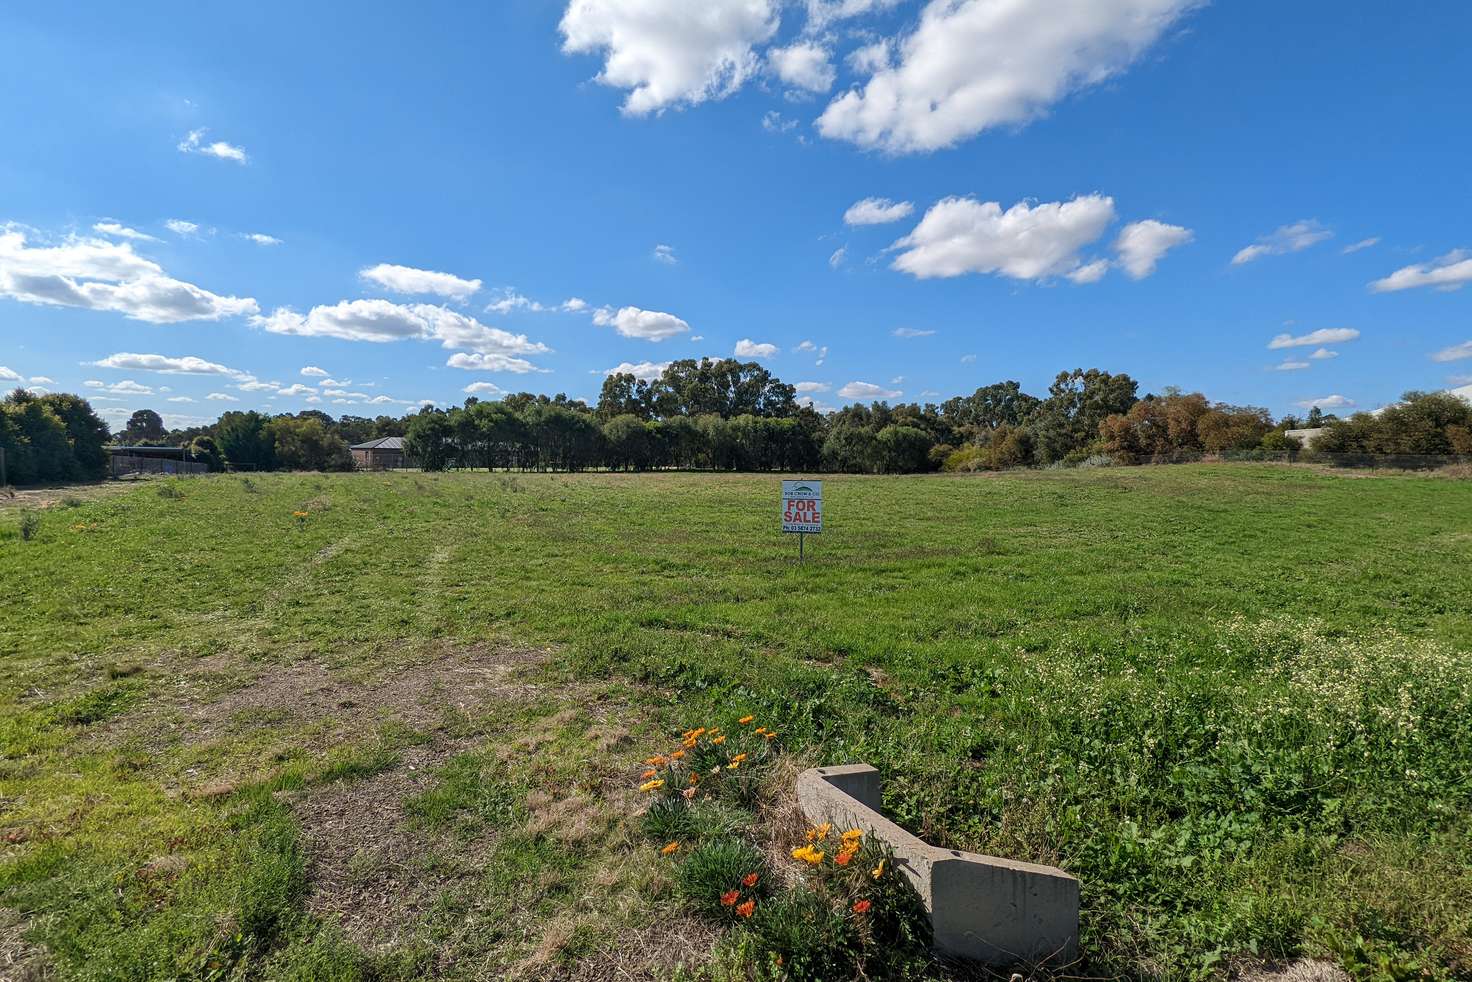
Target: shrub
<point x="170" y="490"/>
<point x="713" y="877"/>
<point x="30" y="524"/>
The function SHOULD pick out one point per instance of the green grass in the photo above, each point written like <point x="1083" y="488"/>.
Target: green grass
<point x="1236" y="701"/>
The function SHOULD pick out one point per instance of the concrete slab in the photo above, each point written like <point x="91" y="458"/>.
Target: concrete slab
<point x="984" y="908"/>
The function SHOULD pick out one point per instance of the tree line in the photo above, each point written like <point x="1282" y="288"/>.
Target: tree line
<point x="736" y="416"/>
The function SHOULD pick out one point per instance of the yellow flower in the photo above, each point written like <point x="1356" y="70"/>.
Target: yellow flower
<point x="808" y="855"/>
<point x="299" y="514"/>
<point x="852" y="836"/>
<point x="745" y="720"/>
<point x="651" y="786"/>
<point x="878" y="871"/>
<point x="734" y="765"/>
<point x="670" y="849"/>
<point x="761" y="729"/>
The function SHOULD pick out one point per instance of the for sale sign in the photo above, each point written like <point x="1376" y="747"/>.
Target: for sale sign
<point x="802" y="506"/>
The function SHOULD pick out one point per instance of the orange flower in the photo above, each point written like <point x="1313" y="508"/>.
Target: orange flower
<point x="678" y="755"/>
<point x="745" y="909"/>
<point x="694" y="778"/>
<point x="730" y="897"/>
<point x="862" y="906"/>
<point x="738" y="758"/>
<point x="842" y="859"/>
<point x="648" y="774"/>
<point x="770" y="734"/>
<point x="670" y="849"/>
<point x="656" y="761"/>
<point x="761" y="729"/>
<point x="749" y="880"/>
<point x="745" y="720"/>
<point x="719" y="740"/>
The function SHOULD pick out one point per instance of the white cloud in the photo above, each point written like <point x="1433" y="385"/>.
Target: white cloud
<point x="1141" y="244"/>
<point x="867" y="391"/>
<point x="1290" y="366"/>
<point x="407" y="279"/>
<point x="384" y="321"/>
<point x="1449" y="272"/>
<point x="40" y="380"/>
<point x="804" y="64"/>
<point x="194" y="143"/>
<point x="1456" y="352"/>
<point x="262" y="239"/>
<point x="186" y="365"/>
<point x="1091" y="272"/>
<point x="127" y="387"/>
<point x="312" y="371"/>
<point x="484" y="389"/>
<point x="910" y="332"/>
<point x="665" y="254"/>
<point x="180" y="227"/>
<point x="974" y="64"/>
<point x="1462" y="392"/>
<point x="1324" y="335"/>
<point x="1326" y="402"/>
<point x="1361" y="244"/>
<point x="633" y="322"/>
<point x="510" y="301"/>
<point x="1026" y="242"/>
<point x="839" y="254"/>
<point x="221" y="397"/>
<point x="646" y="370"/>
<point x="332" y="383"/>
<point x="821" y="13"/>
<point x="179" y="399"/>
<point x="1323" y="354"/>
<point x="670" y="52"/>
<point x="871" y="58"/>
<point x="806" y="346"/>
<point x="574" y="305"/>
<point x="255" y="385"/>
<point x="491" y="362"/>
<point x="810" y="388"/>
<point x="296" y="389"/>
<point x="747" y="348"/>
<point x="775" y="122"/>
<point x="9" y="375"/>
<point x="1284" y="239"/>
<point x="119" y="231"/>
<point x="877" y="211"/>
<point x="968" y="359"/>
<point x="100" y="275"/>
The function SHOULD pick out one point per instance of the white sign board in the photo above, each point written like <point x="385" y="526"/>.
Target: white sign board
<point x="802" y="506"/>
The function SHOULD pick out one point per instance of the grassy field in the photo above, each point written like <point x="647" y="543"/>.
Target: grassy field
<point x="393" y="737"/>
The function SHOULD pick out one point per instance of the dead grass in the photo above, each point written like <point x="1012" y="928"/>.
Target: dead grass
<point x="20" y="961"/>
<point x="1298" y="970"/>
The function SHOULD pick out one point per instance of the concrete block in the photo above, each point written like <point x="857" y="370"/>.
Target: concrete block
<point x="983" y="908"/>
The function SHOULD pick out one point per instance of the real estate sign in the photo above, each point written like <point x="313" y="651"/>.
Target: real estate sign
<point x="802" y="506"/>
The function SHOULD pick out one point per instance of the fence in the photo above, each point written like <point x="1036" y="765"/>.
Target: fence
<point x="1394" y="461"/>
<point x="132" y="465"/>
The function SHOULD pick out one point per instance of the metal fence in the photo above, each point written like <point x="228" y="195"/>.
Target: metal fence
<point x="132" y="465"/>
<point x="1397" y="461"/>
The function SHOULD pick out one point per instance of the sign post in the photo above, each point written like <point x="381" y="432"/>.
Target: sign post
<point x="802" y="510"/>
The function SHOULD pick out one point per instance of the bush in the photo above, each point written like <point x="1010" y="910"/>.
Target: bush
<point x="30" y="524"/>
<point x="716" y="870"/>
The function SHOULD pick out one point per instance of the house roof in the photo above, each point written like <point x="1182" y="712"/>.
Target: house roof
<point x="382" y="443"/>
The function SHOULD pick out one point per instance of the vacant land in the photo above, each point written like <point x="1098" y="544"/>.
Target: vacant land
<point x="384" y="726"/>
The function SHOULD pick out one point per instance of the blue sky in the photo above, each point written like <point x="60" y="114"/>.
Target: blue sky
<point x="1153" y="186"/>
